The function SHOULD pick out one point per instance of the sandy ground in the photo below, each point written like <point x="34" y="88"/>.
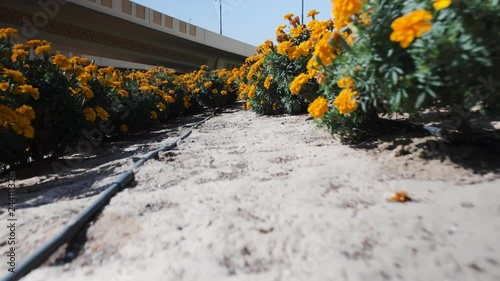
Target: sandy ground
<point x="270" y="198"/>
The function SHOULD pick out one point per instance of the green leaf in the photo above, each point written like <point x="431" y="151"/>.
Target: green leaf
<point x="420" y="100"/>
<point x="394" y="76"/>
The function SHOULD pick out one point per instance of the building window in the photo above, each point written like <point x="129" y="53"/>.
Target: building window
<point x="192" y="30"/>
<point x="169" y="22"/>
<point x="107" y="3"/>
<point x="140" y="11"/>
<point x="182" y="26"/>
<point x="157" y="17"/>
<point x="127" y="7"/>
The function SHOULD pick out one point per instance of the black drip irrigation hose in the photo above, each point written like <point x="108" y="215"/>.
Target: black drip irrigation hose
<point x="79" y="221"/>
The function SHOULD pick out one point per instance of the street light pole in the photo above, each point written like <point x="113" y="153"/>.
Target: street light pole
<point x="220" y="15"/>
<point x="302" y="20"/>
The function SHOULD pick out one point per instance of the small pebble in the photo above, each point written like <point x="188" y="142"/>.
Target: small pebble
<point x="467" y="204"/>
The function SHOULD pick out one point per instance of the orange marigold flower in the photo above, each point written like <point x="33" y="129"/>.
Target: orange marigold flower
<point x="28" y="89"/>
<point x="161" y="106"/>
<point x="346" y="82"/>
<point x="44" y="49"/>
<point x="312" y="13"/>
<point x="4" y="86"/>
<point x="19" y="54"/>
<point x="346" y="102"/>
<point x="288" y="16"/>
<point x="297" y="83"/>
<point x="324" y="51"/>
<point x="123" y="93"/>
<point x="318" y="107"/>
<point x="296" y="31"/>
<point x="15" y="75"/>
<point x="267" y="82"/>
<point x="343" y="10"/>
<point x="103" y="114"/>
<point x="90" y="114"/>
<point x="6" y="32"/>
<point x="441" y="4"/>
<point x="280" y="29"/>
<point x="283" y="47"/>
<point x="61" y="61"/>
<point x="410" y="26"/>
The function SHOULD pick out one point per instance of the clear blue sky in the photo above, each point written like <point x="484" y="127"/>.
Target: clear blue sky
<point x="250" y="21"/>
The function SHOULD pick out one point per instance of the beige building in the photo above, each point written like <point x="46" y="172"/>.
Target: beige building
<point x="121" y="33"/>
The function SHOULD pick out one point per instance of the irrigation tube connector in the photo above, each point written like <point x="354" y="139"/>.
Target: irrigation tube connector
<point x="79" y="221"/>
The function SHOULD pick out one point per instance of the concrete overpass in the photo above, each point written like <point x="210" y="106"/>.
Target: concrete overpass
<point x="121" y="33"/>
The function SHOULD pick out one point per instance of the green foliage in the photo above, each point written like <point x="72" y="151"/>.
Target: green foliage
<point x="449" y="65"/>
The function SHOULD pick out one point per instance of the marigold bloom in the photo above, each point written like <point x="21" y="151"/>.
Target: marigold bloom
<point x="6" y="32"/>
<point x="187" y="101"/>
<point x="61" y="61"/>
<point x="19" y="54"/>
<point x="4" y="86"/>
<point x="343" y="10"/>
<point x="28" y="89"/>
<point x="208" y="84"/>
<point x="215" y="91"/>
<point x="365" y="18"/>
<point x="324" y="51"/>
<point x="288" y="16"/>
<point x="26" y="111"/>
<point x="36" y="43"/>
<point x="318" y="107"/>
<point x="123" y="93"/>
<point x="298" y="82"/>
<point x="161" y="106"/>
<point x="346" y="102"/>
<point x="44" y="49"/>
<point x="145" y="88"/>
<point x="251" y="92"/>
<point x="312" y="67"/>
<point x="410" y="26"/>
<point x="296" y="31"/>
<point x="441" y="4"/>
<point x="103" y="114"/>
<point x="15" y="75"/>
<point x="153" y="115"/>
<point x="92" y="68"/>
<point x="312" y="13"/>
<point x="74" y="91"/>
<point x="267" y="82"/>
<point x="283" y="47"/>
<point x="280" y="29"/>
<point x="293" y="52"/>
<point x="90" y="114"/>
<point x="223" y="92"/>
<point x="87" y="91"/>
<point x="19" y="119"/>
<point x="346" y="82"/>
<point x="168" y="98"/>
<point x="304" y="48"/>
